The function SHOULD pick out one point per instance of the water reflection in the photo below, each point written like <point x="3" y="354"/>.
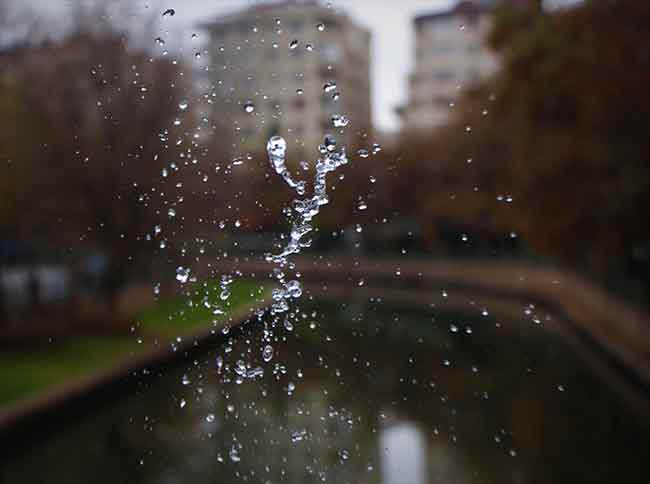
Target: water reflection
<point x="403" y="454"/>
<point x="359" y="393"/>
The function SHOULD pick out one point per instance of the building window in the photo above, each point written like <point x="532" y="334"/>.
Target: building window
<point x="295" y="26"/>
<point x="443" y="76"/>
<point x="331" y="53"/>
<point x="298" y="103"/>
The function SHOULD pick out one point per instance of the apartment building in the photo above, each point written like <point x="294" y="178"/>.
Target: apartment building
<point x="450" y="54"/>
<point x="290" y="68"/>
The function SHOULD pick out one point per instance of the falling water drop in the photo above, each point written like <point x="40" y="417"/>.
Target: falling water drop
<point x="182" y="274"/>
<point x="329" y="86"/>
<point x="234" y="454"/>
<point x="340" y="121"/>
<point x="329" y="143"/>
<point x="267" y="353"/>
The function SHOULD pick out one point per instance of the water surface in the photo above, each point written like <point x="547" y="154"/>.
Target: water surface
<point x="359" y="393"/>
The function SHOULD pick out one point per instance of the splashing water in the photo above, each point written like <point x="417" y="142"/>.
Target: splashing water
<point x="277" y="152"/>
<point x="305" y="208"/>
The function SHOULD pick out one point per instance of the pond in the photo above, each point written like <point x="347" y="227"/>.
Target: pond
<point x="366" y="391"/>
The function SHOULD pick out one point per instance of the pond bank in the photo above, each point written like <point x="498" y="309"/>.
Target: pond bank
<point x="621" y="330"/>
<point x="617" y="331"/>
<point x="27" y="414"/>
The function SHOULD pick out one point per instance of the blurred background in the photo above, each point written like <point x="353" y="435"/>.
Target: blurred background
<point x="476" y="291"/>
<point x="133" y="162"/>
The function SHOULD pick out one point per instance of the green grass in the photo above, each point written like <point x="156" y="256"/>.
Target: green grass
<point x="27" y="373"/>
<point x="184" y="315"/>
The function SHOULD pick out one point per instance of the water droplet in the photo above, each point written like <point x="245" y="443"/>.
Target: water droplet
<point x="294" y="289"/>
<point x="293" y="44"/>
<point x="329" y="86"/>
<point x="376" y="148"/>
<point x="249" y="107"/>
<point x="291" y="386"/>
<point x="182" y="403"/>
<point x="298" y="435"/>
<point x="234" y="454"/>
<point x="183" y="105"/>
<point x="299" y="92"/>
<point x="309" y="47"/>
<point x="340" y="121"/>
<point x="320" y="27"/>
<point x="363" y="153"/>
<point x="277" y="147"/>
<point x="267" y="353"/>
<point x="169" y="12"/>
<point x="329" y="142"/>
<point x="182" y="274"/>
<point x="171" y="212"/>
<point x="209" y="418"/>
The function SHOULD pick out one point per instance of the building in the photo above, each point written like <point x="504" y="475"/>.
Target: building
<point x="288" y="68"/>
<point x="450" y="54"/>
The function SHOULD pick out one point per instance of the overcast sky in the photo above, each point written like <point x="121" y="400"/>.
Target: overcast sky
<point x="388" y="20"/>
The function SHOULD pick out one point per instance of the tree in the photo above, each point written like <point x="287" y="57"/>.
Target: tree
<point x="561" y="130"/>
<point x="91" y="124"/>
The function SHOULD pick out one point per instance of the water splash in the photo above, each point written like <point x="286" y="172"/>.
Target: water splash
<point x="277" y="152"/>
<point x="305" y="209"/>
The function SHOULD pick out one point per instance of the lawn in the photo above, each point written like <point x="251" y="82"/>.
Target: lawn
<point x="27" y="373"/>
<point x="188" y="314"/>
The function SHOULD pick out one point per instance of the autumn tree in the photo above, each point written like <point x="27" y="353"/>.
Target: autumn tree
<point x="90" y="127"/>
<point x="561" y="131"/>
